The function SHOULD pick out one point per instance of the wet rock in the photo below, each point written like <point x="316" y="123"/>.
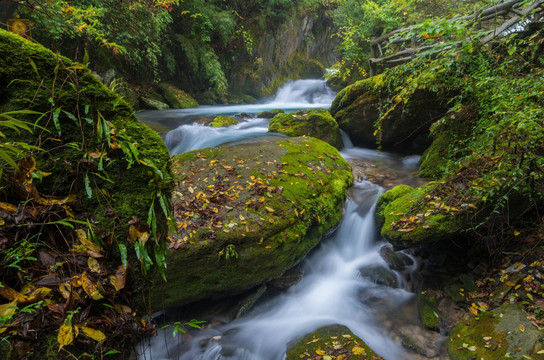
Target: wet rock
<point x="270" y="113"/>
<point x="425" y="342"/>
<point x="380" y="275"/>
<point x="153" y="104"/>
<point x="395" y="259"/>
<point x="288" y="279"/>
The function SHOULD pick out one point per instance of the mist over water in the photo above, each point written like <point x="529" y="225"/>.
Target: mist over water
<point x="332" y="290"/>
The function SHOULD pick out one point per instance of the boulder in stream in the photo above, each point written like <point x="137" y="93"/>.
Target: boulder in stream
<point x="223" y="121"/>
<point x="356" y="108"/>
<point x="317" y="123"/>
<point x="246" y="213"/>
<point x="331" y="342"/>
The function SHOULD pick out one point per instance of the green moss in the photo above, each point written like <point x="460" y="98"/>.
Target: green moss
<point x="499" y="334"/>
<point x="388" y="197"/>
<point x="412" y="219"/>
<point x="316" y="123"/>
<point x="428" y="311"/>
<point x="177" y="98"/>
<point x="282" y="198"/>
<point x="331" y="341"/>
<point x="434" y="159"/>
<point x="223" y="121"/>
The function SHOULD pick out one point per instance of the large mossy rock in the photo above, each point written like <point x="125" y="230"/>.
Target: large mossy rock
<point x="503" y="333"/>
<point x="359" y="107"/>
<point x="246" y="213"/>
<point x="34" y="78"/>
<point x="316" y="123"/>
<point x="334" y="341"/>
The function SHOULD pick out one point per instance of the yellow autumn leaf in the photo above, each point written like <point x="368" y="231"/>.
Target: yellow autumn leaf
<point x="94" y="334"/>
<point x="94" y="266"/>
<point x="6" y="310"/>
<point x="65" y="335"/>
<point x="90" y="288"/>
<point x="118" y="280"/>
<point x="320" y="352"/>
<point x="357" y="350"/>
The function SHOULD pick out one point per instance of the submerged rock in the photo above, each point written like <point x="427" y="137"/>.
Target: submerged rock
<point x="316" y="123"/>
<point x="380" y="275"/>
<point x="331" y="342"/>
<point x="245" y="213"/>
<point x="395" y="259"/>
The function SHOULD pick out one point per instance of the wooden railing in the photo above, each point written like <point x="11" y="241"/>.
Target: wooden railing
<point x="493" y="21"/>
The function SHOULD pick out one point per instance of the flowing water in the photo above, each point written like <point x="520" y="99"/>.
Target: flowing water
<point x="332" y="290"/>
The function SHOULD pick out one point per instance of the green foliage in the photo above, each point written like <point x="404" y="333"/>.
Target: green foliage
<point x="134" y="31"/>
<point x="360" y="21"/>
<point x="491" y="171"/>
<point x="11" y="151"/>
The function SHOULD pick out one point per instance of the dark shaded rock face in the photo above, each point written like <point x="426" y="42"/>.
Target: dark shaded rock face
<point x="246" y="213"/>
<point x="359" y="109"/>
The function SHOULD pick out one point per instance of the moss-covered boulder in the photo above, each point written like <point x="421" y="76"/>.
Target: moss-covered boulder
<point x="246" y="213"/>
<point x="223" y="121"/>
<point x="316" y="123"/>
<point x="410" y="217"/>
<point x="177" y="98"/>
<point x="359" y="109"/>
<point x="503" y="333"/>
<point x="332" y="342"/>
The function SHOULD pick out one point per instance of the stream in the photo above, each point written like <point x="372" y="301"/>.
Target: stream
<point x="332" y="289"/>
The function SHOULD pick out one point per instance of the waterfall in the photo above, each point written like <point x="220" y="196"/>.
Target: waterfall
<point x="298" y="94"/>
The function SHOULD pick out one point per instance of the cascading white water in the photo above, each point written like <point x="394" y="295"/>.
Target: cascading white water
<point x="332" y="290"/>
<point x="298" y="94"/>
<point x="196" y="136"/>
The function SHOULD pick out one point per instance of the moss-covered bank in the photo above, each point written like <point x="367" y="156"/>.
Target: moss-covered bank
<point x="97" y="170"/>
<point x="246" y="213"/>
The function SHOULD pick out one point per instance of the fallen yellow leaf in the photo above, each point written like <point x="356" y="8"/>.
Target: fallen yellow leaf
<point x="357" y="350"/>
<point x="94" y="334"/>
<point x="65" y="335"/>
